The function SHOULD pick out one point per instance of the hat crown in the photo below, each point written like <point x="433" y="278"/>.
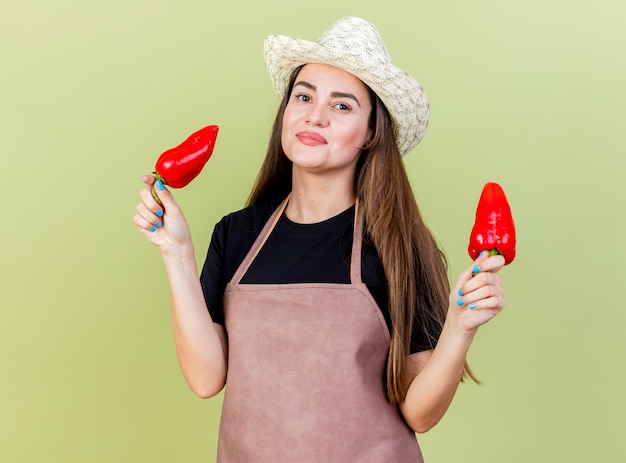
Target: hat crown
<point x="356" y="37"/>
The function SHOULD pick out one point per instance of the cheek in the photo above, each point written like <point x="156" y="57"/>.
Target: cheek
<point x="289" y="120"/>
<point x="285" y="130"/>
<point x="358" y="135"/>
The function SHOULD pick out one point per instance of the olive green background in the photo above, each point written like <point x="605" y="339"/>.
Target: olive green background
<point x="528" y="94"/>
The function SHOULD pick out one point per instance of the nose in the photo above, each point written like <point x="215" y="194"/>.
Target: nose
<point x="317" y="115"/>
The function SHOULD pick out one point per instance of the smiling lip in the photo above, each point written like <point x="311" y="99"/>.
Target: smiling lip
<point x="311" y="138"/>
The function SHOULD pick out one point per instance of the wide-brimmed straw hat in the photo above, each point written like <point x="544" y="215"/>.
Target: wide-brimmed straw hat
<point x="355" y="45"/>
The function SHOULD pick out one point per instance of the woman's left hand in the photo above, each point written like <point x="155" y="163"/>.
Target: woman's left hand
<point x="475" y="300"/>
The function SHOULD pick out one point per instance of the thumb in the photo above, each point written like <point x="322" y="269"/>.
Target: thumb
<point x="164" y="197"/>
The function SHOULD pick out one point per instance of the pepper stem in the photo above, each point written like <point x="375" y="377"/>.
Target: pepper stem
<point x="154" y="193"/>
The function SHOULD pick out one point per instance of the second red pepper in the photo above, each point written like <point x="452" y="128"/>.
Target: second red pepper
<point x="494" y="229"/>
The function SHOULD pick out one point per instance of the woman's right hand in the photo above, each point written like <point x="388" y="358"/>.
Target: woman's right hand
<point x="163" y="224"/>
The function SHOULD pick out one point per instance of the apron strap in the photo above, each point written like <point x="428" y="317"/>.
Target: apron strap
<point x="357" y="240"/>
<point x="260" y="241"/>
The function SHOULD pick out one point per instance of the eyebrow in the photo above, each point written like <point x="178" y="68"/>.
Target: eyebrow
<point x="333" y="94"/>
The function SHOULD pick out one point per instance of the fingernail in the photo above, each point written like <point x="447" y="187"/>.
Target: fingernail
<point x="476" y="269"/>
<point x="159" y="224"/>
<point x="159" y="185"/>
<point x="153" y="228"/>
<point x="159" y="213"/>
<point x="471" y="306"/>
<point x="482" y="253"/>
<point x="459" y="302"/>
<point x="460" y="293"/>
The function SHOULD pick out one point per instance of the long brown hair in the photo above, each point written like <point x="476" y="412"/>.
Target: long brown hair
<point x="415" y="267"/>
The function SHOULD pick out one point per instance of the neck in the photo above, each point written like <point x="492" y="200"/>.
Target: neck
<point x="314" y="200"/>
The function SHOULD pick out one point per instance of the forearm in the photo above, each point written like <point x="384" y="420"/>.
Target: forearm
<point x="432" y="390"/>
<point x="200" y="344"/>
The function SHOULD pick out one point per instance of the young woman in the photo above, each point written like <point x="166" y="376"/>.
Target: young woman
<point x="324" y="305"/>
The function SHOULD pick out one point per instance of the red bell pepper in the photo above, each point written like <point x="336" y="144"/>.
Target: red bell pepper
<point x="178" y="166"/>
<point x="494" y="229"/>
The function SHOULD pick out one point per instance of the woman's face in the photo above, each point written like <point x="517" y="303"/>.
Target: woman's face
<point x="325" y="123"/>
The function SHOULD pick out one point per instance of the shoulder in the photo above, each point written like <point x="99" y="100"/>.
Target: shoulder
<point x="249" y="219"/>
<point x="232" y="237"/>
<point x="240" y="228"/>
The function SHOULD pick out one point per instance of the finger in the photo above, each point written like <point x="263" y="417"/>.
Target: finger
<point x="475" y="268"/>
<point x="482" y="293"/>
<point x="480" y="280"/>
<point x="149" y="216"/>
<point x="156" y="186"/>
<point x="168" y="203"/>
<point x="150" y="203"/>
<point x="493" y="264"/>
<point x="486" y="263"/>
<point x="148" y="179"/>
<point x="466" y="276"/>
<point x="495" y="303"/>
<point x="144" y="225"/>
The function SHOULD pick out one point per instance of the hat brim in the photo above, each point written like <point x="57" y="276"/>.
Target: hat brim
<point x="401" y="94"/>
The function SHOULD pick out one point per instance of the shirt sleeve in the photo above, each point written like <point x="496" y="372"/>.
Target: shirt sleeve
<point x="213" y="275"/>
